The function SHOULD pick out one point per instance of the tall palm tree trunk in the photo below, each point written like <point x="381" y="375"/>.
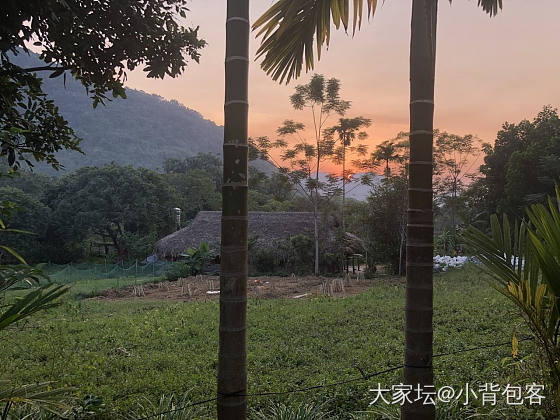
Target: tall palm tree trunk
<point x="232" y="355"/>
<point x="419" y="253"/>
<point x="454" y="211"/>
<point x="316" y="211"/>
<point x="343" y="203"/>
<point x="316" y="233"/>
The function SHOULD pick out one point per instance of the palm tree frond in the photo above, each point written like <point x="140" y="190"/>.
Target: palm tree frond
<point x="37" y="300"/>
<point x="13" y="253"/>
<point x="545" y="238"/>
<point x="40" y="395"/>
<point x="20" y="274"/>
<point x="288" y="29"/>
<point x="492" y="7"/>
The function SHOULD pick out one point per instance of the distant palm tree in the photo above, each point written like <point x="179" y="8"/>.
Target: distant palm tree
<point x="347" y="130"/>
<point x="387" y="152"/>
<point x="289" y="29"/>
<point x="232" y="355"/>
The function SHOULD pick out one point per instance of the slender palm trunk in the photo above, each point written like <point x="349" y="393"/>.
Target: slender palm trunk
<point x="418" y="369"/>
<point x="343" y="202"/>
<point x="232" y="355"/>
<point x="316" y="211"/>
<point x="316" y="233"/>
<point x="401" y="245"/>
<point x="454" y="210"/>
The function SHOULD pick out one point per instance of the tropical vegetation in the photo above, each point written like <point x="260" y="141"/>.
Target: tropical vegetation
<point x="523" y="259"/>
<point x="428" y="201"/>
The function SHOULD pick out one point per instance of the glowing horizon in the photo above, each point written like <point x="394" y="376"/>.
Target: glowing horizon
<point x="489" y="70"/>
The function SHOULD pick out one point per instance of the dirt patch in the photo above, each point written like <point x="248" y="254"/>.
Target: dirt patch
<point x="207" y="287"/>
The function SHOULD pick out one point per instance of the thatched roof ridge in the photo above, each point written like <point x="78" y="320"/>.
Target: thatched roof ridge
<point x="265" y="228"/>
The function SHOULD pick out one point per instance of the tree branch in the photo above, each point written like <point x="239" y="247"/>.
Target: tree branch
<point x="43" y="68"/>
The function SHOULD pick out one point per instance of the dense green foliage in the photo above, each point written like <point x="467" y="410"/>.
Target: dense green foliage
<point x="126" y="209"/>
<point x="197" y="182"/>
<point x="115" y="204"/>
<point x="32" y="215"/>
<point x="96" y="43"/>
<point x="193" y="184"/>
<point x="381" y="223"/>
<point x="110" y="202"/>
<point x="130" y="350"/>
<point x="289" y="256"/>
<point x="519" y="169"/>
<point x="121" y="209"/>
<point x="273" y="192"/>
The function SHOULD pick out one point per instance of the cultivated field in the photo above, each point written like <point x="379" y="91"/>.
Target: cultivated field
<point x="130" y="351"/>
<point x="266" y="287"/>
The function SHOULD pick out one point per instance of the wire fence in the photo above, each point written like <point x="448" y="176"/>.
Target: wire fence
<point x="70" y="273"/>
<point x="363" y="377"/>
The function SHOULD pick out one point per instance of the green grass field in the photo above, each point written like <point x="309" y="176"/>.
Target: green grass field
<point x="89" y="288"/>
<point x="131" y="352"/>
<point x="83" y="289"/>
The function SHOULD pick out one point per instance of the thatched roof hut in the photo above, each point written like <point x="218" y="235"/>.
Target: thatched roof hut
<point x="266" y="229"/>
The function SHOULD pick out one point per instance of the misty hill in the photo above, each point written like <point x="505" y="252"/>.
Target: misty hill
<point x="358" y="191"/>
<point x="354" y="188"/>
<point x="142" y="130"/>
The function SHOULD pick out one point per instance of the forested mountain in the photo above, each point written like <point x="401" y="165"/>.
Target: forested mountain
<point x="142" y="130"/>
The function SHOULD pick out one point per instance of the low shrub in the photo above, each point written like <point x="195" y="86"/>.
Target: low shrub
<point x="195" y="260"/>
<point x="178" y="270"/>
<point x="263" y="260"/>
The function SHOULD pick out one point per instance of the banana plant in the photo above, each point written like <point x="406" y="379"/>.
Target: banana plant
<point x="523" y="259"/>
<point x="196" y="258"/>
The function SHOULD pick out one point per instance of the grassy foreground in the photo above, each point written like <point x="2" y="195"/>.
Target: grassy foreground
<point x="131" y="352"/>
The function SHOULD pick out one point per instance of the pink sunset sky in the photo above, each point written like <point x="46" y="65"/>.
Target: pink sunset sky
<point x="489" y="70"/>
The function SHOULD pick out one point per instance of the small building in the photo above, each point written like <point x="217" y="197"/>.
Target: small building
<point x="265" y="229"/>
<point x="269" y="232"/>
